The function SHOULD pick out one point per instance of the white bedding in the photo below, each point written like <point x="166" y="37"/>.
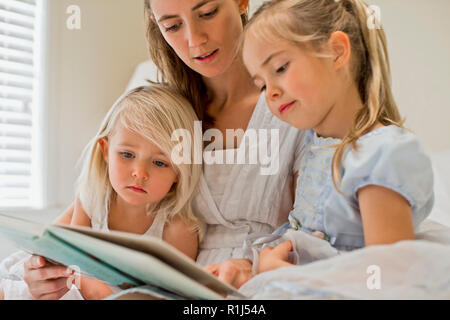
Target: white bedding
<point x="407" y="270"/>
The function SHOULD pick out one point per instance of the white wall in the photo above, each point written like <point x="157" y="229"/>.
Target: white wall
<point x="419" y="49"/>
<point x="87" y="70"/>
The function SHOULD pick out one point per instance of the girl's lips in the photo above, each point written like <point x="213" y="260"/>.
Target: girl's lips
<point x="285" y="107"/>
<point x="210" y="56"/>
<point x="137" y="189"/>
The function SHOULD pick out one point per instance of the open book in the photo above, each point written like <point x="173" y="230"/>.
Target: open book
<point x="143" y="263"/>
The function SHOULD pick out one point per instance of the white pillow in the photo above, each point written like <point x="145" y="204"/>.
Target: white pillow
<point x="441" y="170"/>
<point x="146" y="70"/>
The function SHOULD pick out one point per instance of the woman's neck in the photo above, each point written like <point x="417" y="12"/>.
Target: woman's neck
<point x="230" y="88"/>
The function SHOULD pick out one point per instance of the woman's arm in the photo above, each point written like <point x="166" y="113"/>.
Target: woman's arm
<point x="386" y="216"/>
<point x="179" y="234"/>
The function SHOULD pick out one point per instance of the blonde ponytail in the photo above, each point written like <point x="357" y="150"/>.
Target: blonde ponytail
<point x="374" y="82"/>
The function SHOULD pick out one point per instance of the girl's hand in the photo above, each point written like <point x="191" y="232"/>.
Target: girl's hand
<point x="236" y="272"/>
<point x="274" y="258"/>
<point x="45" y="280"/>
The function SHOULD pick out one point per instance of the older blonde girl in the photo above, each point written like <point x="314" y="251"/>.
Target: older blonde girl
<point x="364" y="179"/>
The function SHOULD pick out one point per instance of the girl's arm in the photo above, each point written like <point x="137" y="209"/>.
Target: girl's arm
<point x="80" y="217"/>
<point x="90" y="289"/>
<point x="386" y="216"/>
<point x="179" y="234"/>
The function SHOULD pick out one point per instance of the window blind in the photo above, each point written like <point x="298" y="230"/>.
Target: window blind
<point x="17" y="77"/>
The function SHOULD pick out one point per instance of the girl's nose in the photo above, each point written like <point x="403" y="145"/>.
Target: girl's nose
<point x="196" y="36"/>
<point x="273" y="93"/>
<point x="140" y="172"/>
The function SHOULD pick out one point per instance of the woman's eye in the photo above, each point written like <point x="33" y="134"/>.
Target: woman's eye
<point x="209" y="14"/>
<point x="127" y="155"/>
<point x="282" y="68"/>
<point x="173" y="28"/>
<point x="159" y="163"/>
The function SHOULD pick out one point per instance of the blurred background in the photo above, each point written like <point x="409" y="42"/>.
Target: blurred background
<point x="82" y="66"/>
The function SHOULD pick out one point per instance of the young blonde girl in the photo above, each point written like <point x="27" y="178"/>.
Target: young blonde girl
<point x="364" y="179"/>
<point x="128" y="180"/>
<point x="128" y="183"/>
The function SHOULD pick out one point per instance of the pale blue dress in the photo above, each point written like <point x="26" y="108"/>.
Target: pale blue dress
<point x="389" y="156"/>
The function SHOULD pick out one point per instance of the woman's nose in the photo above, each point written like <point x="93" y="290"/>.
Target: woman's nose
<point x="196" y="36"/>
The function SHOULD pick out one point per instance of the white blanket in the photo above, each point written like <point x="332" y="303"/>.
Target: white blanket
<point x="406" y="270"/>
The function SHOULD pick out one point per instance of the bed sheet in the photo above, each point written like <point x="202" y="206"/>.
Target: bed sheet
<point x="417" y="269"/>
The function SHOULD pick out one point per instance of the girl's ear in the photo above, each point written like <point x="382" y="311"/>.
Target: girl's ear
<point x="340" y="47"/>
<point x="103" y="142"/>
<point x="243" y="6"/>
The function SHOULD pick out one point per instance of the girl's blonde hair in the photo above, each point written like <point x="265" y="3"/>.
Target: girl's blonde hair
<point x="311" y="22"/>
<point x="154" y="112"/>
<point x="174" y="71"/>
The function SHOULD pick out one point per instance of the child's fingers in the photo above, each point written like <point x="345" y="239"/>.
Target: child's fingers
<point x="212" y="268"/>
<point x="284" y="247"/>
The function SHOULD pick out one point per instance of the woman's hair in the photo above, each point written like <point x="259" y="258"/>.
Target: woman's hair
<point x="310" y="23"/>
<point x="174" y="71"/>
<point x="154" y="112"/>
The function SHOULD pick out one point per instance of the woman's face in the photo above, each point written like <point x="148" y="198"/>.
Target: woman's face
<point x="203" y="33"/>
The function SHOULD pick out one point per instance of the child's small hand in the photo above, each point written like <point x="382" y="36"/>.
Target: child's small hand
<point x="274" y="258"/>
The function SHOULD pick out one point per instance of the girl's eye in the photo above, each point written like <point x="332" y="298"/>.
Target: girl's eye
<point x="159" y="163"/>
<point x="282" y="68"/>
<point x="209" y="14"/>
<point x="173" y="28"/>
<point x="127" y="155"/>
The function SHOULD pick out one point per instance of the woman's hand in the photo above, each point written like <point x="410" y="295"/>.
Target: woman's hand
<point x="236" y="272"/>
<point x="274" y="258"/>
<point x="45" y="280"/>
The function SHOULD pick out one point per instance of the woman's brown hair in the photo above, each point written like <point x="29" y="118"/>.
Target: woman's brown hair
<point x="174" y="72"/>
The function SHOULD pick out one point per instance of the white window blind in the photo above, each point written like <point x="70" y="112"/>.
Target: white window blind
<point x="18" y="74"/>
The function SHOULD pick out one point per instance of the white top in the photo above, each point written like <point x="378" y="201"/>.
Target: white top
<point x="155" y="230"/>
<point x="237" y="200"/>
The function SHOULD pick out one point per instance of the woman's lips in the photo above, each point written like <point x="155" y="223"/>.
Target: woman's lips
<point x="206" y="57"/>
<point x="285" y="107"/>
<point x="137" y="189"/>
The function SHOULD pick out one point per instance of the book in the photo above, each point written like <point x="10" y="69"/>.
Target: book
<point x="140" y="265"/>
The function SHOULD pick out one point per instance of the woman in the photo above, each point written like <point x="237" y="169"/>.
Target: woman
<point x="195" y="45"/>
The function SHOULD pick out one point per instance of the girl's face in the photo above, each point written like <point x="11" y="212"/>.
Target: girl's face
<point x="139" y="171"/>
<point x="203" y="33"/>
<point x="300" y="88"/>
